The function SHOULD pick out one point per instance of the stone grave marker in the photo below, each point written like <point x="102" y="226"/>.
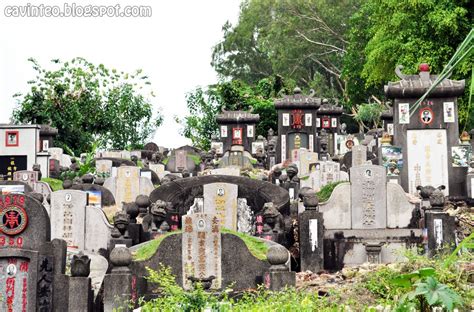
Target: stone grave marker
<point x="330" y="172"/>
<point x="306" y="159"/>
<point x="128" y="184"/>
<point x="56" y="153"/>
<point x="359" y="155"/>
<point x="103" y="167"/>
<point x="68" y="216"/>
<point x="29" y="262"/>
<point x="221" y="199"/>
<point x="181" y="160"/>
<point x="126" y="155"/>
<point x="29" y="177"/>
<point x="201" y="249"/>
<point x="159" y="169"/>
<point x="369" y="197"/>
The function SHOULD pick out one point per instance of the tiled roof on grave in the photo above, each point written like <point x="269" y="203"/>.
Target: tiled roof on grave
<point x="298" y="100"/>
<point x="47" y="130"/>
<point x="237" y="117"/>
<point x="327" y="108"/>
<point x="412" y="86"/>
<point x="387" y="114"/>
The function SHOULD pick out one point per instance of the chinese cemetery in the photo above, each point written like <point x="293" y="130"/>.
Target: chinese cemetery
<point x="318" y="207"/>
<point x="89" y="244"/>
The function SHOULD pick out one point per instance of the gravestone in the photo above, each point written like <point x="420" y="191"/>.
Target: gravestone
<point x="181" y="160"/>
<point x="103" y="167"/>
<point x="221" y="199"/>
<point x="32" y="268"/>
<point x="306" y="159"/>
<point x="201" y="249"/>
<point x="359" y="155"/>
<point x="369" y="197"/>
<point x="55" y="153"/>
<point x="68" y="217"/>
<point x="128" y="184"/>
<point x="330" y="172"/>
<point x="29" y="177"/>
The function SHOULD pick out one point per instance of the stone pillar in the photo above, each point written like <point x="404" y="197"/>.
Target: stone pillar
<point x="311" y="234"/>
<point x="80" y="287"/>
<point x="279" y="276"/>
<point x="440" y="225"/>
<point x="118" y="284"/>
<point x="60" y="279"/>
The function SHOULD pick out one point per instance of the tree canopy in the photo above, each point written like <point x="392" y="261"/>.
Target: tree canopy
<point x="89" y="103"/>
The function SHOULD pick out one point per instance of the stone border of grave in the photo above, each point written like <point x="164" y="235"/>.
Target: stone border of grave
<point x="268" y="192"/>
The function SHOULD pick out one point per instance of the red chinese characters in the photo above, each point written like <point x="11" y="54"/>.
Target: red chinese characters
<point x="297" y="119"/>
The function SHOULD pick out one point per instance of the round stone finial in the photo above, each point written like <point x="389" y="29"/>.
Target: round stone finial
<point x="424" y="67"/>
<point x="277" y="255"/>
<point x="67" y="184"/>
<point x="310" y="201"/>
<point x="142" y="201"/>
<point x="87" y="178"/>
<point x="120" y="257"/>
<point x="297" y="90"/>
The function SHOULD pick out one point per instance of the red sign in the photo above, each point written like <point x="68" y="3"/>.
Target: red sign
<point x="326" y="122"/>
<point x="237" y="136"/>
<point x="297" y="122"/>
<point x="13" y="217"/>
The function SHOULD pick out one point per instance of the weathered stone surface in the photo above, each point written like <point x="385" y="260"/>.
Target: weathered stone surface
<point x="201" y="249"/>
<point x="368" y="197"/>
<point x="107" y="198"/>
<point x="97" y="230"/>
<point x="104" y="166"/>
<point x="359" y="155"/>
<point x="399" y="209"/>
<point x="311" y="233"/>
<point x="6" y="186"/>
<point x="68" y="216"/>
<point x="337" y="210"/>
<point x="221" y="199"/>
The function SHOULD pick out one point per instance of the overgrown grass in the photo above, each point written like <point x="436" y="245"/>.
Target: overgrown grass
<point x="149" y="249"/>
<point x="55" y="184"/>
<point x="326" y="191"/>
<point x="257" y="247"/>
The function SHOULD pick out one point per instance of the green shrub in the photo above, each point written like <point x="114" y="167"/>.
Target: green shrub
<point x="326" y="191"/>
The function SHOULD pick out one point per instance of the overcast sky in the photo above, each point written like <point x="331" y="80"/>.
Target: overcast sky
<point x="173" y="47"/>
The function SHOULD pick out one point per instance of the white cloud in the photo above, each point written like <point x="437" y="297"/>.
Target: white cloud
<point x="173" y="47"/>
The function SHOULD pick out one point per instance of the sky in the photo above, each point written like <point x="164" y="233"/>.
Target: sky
<point x="173" y="47"/>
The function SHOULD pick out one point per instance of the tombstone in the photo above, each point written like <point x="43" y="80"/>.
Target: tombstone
<point x="426" y="133"/>
<point x="125" y="154"/>
<point x="181" y="160"/>
<point x="159" y="169"/>
<point x="29" y="177"/>
<point x="103" y="167"/>
<point x="359" y="155"/>
<point x="128" y="184"/>
<point x="97" y="230"/>
<point x="68" y="217"/>
<point x="306" y="159"/>
<point x="55" y="153"/>
<point x="201" y="249"/>
<point x="32" y="267"/>
<point x="368" y="197"/>
<point x="221" y="199"/>
<point x="245" y="216"/>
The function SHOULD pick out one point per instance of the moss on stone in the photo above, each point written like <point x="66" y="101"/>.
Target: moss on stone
<point x="326" y="191"/>
<point x="146" y="251"/>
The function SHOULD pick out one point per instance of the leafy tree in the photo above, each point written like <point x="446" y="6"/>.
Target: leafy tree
<point x="89" y="103"/>
<point x="205" y="104"/>
<point x="303" y="40"/>
<point x="387" y="33"/>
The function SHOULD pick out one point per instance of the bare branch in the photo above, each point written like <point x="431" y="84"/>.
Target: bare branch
<point x="320" y="43"/>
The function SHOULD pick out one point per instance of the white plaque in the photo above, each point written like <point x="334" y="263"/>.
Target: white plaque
<point x="311" y="143"/>
<point x="286" y="119"/>
<point x="403" y="113"/>
<point x="313" y="233"/>
<point x="318" y="122"/>
<point x="427" y="158"/>
<point x="472" y="188"/>
<point x="438" y="232"/>
<point x="223" y="131"/>
<point x="283" y="148"/>
<point x="308" y="120"/>
<point x="292" y="193"/>
<point x="250" y="131"/>
<point x="334" y="122"/>
<point x="448" y="111"/>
